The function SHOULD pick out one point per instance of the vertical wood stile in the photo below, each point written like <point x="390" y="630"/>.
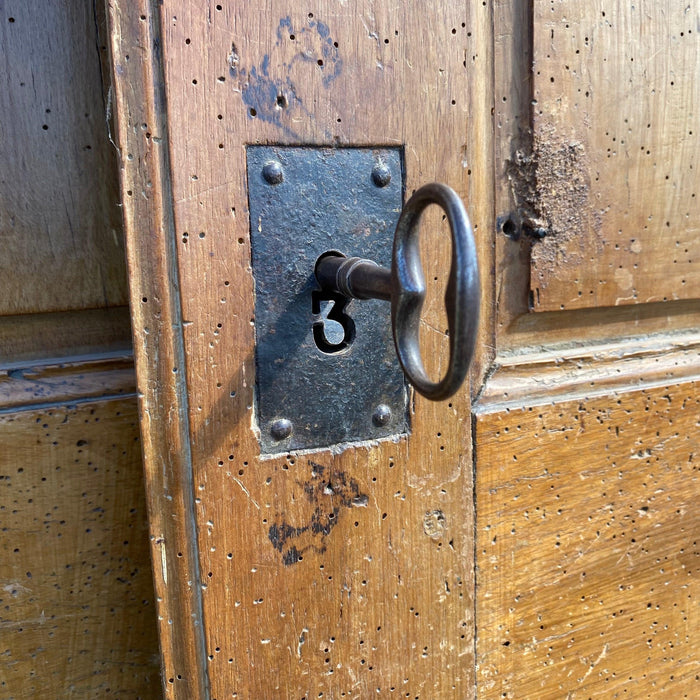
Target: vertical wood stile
<point x="139" y="98"/>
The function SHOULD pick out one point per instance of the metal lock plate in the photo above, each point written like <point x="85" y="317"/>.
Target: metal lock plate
<point x="320" y="382"/>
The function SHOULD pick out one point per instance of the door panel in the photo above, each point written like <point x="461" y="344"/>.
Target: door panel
<point x="596" y="255"/>
<point x="587" y="545"/>
<point x="615" y="152"/>
<point x="78" y="615"/>
<point x="59" y="217"/>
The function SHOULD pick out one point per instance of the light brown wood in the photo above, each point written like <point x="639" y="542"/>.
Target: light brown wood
<point x="59" y="215"/>
<point x="536" y="332"/>
<point x="593" y="370"/>
<point x="517" y="329"/>
<point x="78" y="617"/>
<point x="512" y="66"/>
<point x="382" y="599"/>
<point x="587" y="546"/>
<point x="615" y="153"/>
<point x="157" y="327"/>
<point x="31" y="338"/>
<point x="577" y="398"/>
<point x="107" y="377"/>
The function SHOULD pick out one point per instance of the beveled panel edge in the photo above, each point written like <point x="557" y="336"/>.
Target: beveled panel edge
<point x="547" y="377"/>
<point x="46" y="338"/>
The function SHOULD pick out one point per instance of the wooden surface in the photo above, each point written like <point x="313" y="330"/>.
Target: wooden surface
<point x="381" y="600"/>
<point x="515" y="329"/>
<point x="612" y="177"/>
<point x="594" y="370"/>
<point x="160" y="363"/>
<point x="59" y="215"/>
<point x="78" y="616"/>
<point x="586" y="416"/>
<point x="99" y="378"/>
<point x="30" y="338"/>
<point x="586" y="425"/>
<point x="587" y="546"/>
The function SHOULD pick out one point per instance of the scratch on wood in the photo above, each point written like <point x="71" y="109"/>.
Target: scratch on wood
<point x="302" y="641"/>
<point x="246" y="492"/>
<point x="602" y="655"/>
<point x="163" y="561"/>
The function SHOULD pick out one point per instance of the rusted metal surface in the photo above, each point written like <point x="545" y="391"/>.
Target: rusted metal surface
<point x="303" y="203"/>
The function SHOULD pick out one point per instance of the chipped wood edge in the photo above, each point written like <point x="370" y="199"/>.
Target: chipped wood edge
<point x="58" y="383"/>
<point x="138" y="96"/>
<point x="582" y="373"/>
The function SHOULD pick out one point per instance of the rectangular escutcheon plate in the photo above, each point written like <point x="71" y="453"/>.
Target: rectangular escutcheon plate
<point x="326" y="371"/>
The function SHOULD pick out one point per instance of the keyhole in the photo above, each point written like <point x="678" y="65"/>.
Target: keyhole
<point x="334" y="331"/>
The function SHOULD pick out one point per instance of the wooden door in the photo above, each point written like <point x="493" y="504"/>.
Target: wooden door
<point x="77" y="613"/>
<point x="534" y="535"/>
<point x="586" y="431"/>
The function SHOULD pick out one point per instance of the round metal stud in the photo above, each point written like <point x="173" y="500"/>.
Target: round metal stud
<point x="281" y="428"/>
<point x="272" y="172"/>
<point x="381" y="175"/>
<point x="381" y="415"/>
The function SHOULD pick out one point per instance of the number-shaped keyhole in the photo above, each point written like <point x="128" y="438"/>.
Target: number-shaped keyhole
<point x="333" y="329"/>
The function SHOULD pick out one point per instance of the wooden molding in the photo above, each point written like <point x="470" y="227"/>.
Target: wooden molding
<point x="28" y="339"/>
<point x="67" y="382"/>
<point x="530" y="379"/>
<point x="139" y="98"/>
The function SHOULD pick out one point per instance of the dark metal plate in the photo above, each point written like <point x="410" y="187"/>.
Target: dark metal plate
<point x="310" y="201"/>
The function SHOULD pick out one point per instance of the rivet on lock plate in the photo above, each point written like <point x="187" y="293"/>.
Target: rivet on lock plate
<point x="326" y="368"/>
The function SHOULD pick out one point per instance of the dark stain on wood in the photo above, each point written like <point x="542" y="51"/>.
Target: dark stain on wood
<point x="329" y="491"/>
<point x="269" y="90"/>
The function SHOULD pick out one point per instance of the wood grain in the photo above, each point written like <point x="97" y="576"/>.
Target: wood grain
<point x="78" y="611"/>
<point x="616" y="145"/>
<point x="512" y="66"/>
<point x="59" y="215"/>
<point x="587" y="546"/>
<point x="516" y="329"/>
<point x="584" y="470"/>
<point x="27" y="339"/>
<point x="54" y="383"/>
<point x="597" y="369"/>
<point x="381" y="599"/>
<point x="78" y="618"/>
<point x="157" y="327"/>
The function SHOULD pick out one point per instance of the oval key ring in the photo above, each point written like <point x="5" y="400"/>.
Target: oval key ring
<point x="404" y="286"/>
<point x="462" y="295"/>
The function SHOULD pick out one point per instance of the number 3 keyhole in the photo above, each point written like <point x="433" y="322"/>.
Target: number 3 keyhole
<point x="333" y="329"/>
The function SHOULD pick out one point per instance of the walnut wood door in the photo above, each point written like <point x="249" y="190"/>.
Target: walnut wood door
<point x="534" y="535"/>
<point x="77" y="613"/>
<point x="382" y="599"/>
<point x="586" y="431"/>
